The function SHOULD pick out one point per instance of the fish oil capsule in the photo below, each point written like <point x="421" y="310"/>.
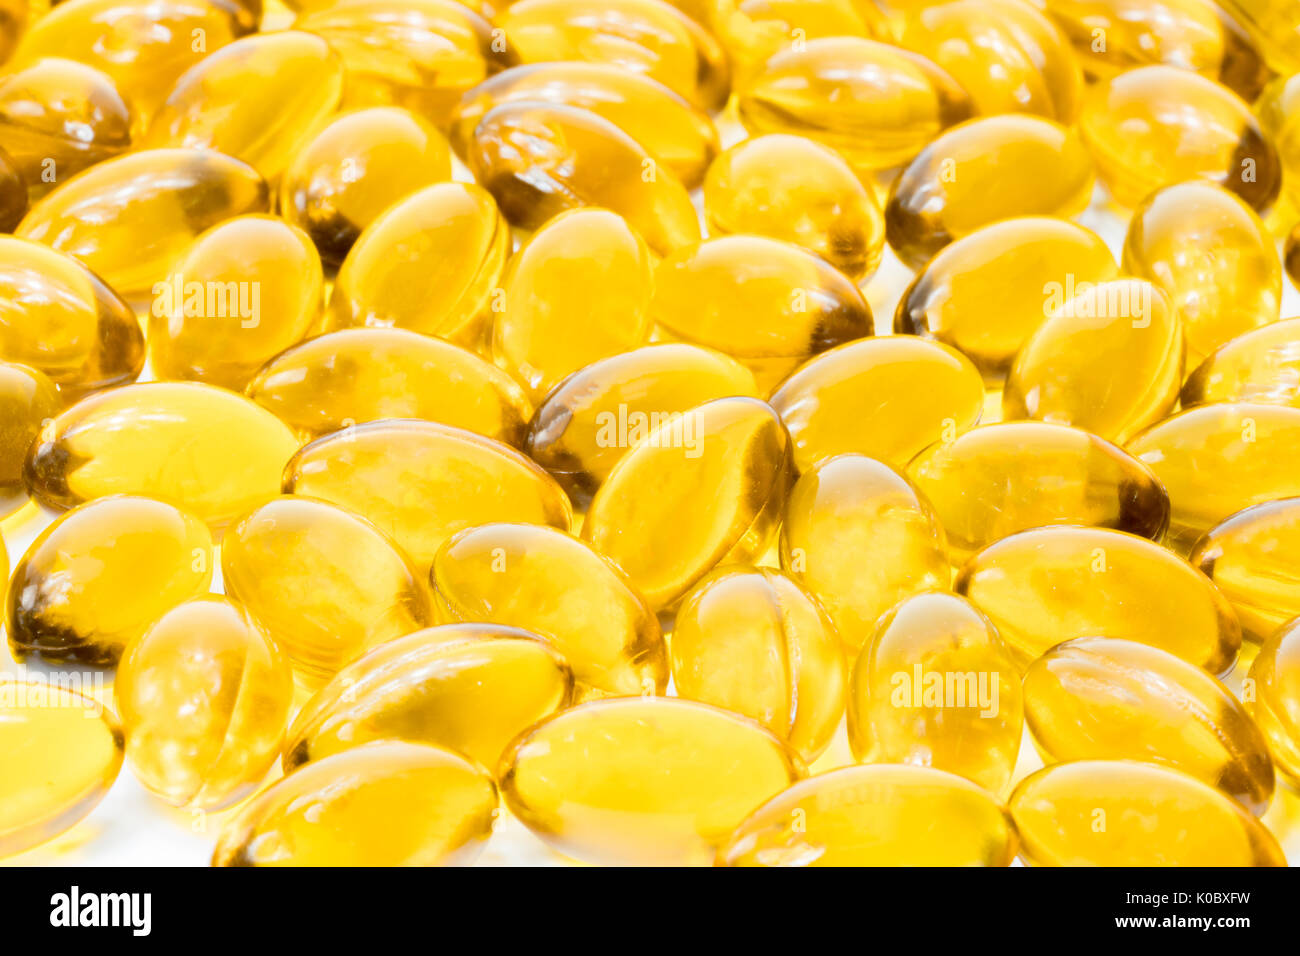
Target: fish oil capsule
<point x="752" y="641"/>
<point x="27" y="399"/>
<point x="388" y="803"/>
<point x="13" y="194"/>
<point x="706" y="486"/>
<point x="936" y="687"/>
<point x="100" y="575"/>
<point x="880" y="815"/>
<point x="1278" y="109"/>
<point x="1098" y="698"/>
<point x="429" y="263"/>
<point x="579" y="290"/>
<point x="1274" y="27"/>
<point x="1214" y="257"/>
<point x="674" y="132"/>
<point x="356" y="167"/>
<point x="544" y="581"/>
<point x="246" y="289"/>
<point x="539" y="159"/>
<point x="129" y="218"/>
<point x="861" y="537"/>
<point x="999" y="479"/>
<point x="204" y="697"/>
<point x="876" y="104"/>
<point x="767" y="303"/>
<point x="1125" y="813"/>
<point x="325" y="582"/>
<point x="62" y="753"/>
<point x="170" y="440"/>
<point x="1250" y="451"/>
<point x="976" y="173"/>
<point x="1275" y="703"/>
<point x="586" y="425"/>
<point x="362" y="375"/>
<point x="1029" y="583"/>
<point x="643" y="780"/>
<point x="986" y="293"/>
<point x="13" y="20"/>
<point x="472" y="688"/>
<point x="57" y="117"/>
<point x="1158" y="125"/>
<point x="1109" y="361"/>
<point x="797" y="190"/>
<point x="639" y="36"/>
<point x="421" y="482"/>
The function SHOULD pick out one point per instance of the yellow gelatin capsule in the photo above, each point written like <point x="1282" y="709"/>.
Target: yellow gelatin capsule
<point x="1109" y="361"/>
<point x="706" y="486"/>
<point x="999" y="479"/>
<point x="639" y="36"/>
<point x="585" y="426"/>
<point x="643" y="780"/>
<point x="1274" y="26"/>
<point x="362" y="375"/>
<point x="1275" y="705"/>
<point x="429" y="263"/>
<point x="981" y="172"/>
<point x="1278" y="110"/>
<point x="1215" y="460"/>
<point x="1150" y="815"/>
<point x="13" y="194"/>
<point x="421" y="482"/>
<point x="1029" y="585"/>
<point x="936" y="687"/>
<point x="767" y="303"/>
<point x="100" y="575"/>
<point x="579" y="290"/>
<point x="797" y="190"/>
<point x="546" y="582"/>
<point x="170" y="440"/>
<point x="388" y="803"/>
<point x="472" y="688"/>
<point x="876" y="104"/>
<point x="129" y="218"/>
<point x="881" y="815"/>
<point x="675" y="133"/>
<point x="62" y="753"/>
<point x="1159" y="125"/>
<point x="540" y="159"/>
<point x="204" y="697"/>
<point x="986" y="293"/>
<point x="27" y="399"/>
<point x="1097" y="698"/>
<point x="246" y="289"/>
<point x="1212" y="254"/>
<point x="13" y="21"/>
<point x="751" y="640"/>
<point x="861" y="537"/>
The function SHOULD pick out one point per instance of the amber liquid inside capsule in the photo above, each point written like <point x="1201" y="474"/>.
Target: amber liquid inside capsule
<point x="27" y="398"/>
<point x="1275" y="675"/>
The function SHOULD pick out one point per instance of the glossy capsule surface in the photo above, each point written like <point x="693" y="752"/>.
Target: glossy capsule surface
<point x="469" y="687"/>
<point x="360" y="375"/>
<point x="797" y="190"/>
<point x="204" y="697"/>
<point x="357" y="166"/>
<point x="1275" y="703"/>
<point x="653" y="780"/>
<point x="861" y="537"/>
<point x="539" y="160"/>
<point x="1278" y="109"/>
<point x="986" y="293"/>
<point x="982" y="171"/>
<point x="389" y="803"/>
<point x="704" y="487"/>
<point x="27" y="399"/>
<point x="421" y="482"/>
<point x="752" y="641"/>
<point x="100" y="575"/>
<point x="1108" y="361"/>
<point x="1125" y="813"/>
<point x="881" y="815"/>
<point x="1158" y="125"/>
<point x="1274" y="26"/>
<point x="1028" y="585"/>
<point x="577" y="430"/>
<point x="129" y="218"/>
<point x="325" y="582"/>
<point x="62" y="753"/>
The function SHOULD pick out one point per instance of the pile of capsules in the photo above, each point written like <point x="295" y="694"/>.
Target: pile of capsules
<point x="553" y="467"/>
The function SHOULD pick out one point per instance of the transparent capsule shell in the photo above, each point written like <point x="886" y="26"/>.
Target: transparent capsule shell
<point x="1275" y="703"/>
<point x="27" y="399"/>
